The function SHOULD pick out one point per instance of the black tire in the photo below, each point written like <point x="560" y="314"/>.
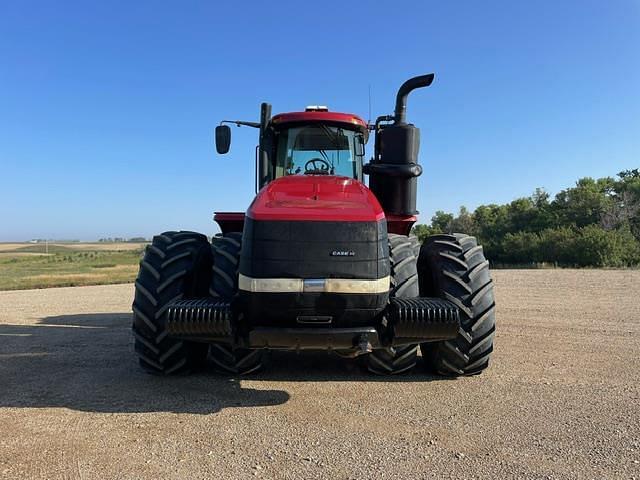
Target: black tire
<point x="235" y="361"/>
<point x="176" y="265"/>
<point x="224" y="284"/>
<point x="454" y="267"/>
<point x="404" y="283"/>
<point x="416" y="245"/>
<point x="226" y="262"/>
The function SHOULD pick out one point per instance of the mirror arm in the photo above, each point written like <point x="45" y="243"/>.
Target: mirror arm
<point x="242" y="122"/>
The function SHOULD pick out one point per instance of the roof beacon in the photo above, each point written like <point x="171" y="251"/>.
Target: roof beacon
<point x="316" y="108"/>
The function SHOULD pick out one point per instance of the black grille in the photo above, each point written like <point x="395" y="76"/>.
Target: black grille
<point x="425" y="318"/>
<point x="205" y="317"/>
<point x="310" y="249"/>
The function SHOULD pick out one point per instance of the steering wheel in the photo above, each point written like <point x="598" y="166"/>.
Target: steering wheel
<point x="319" y="166"/>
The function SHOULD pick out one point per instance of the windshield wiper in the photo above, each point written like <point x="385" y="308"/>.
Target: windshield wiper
<point x="333" y="137"/>
<point x="328" y="160"/>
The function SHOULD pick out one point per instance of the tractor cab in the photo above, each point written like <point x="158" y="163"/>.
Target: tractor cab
<point x="313" y="142"/>
<point x="317" y="142"/>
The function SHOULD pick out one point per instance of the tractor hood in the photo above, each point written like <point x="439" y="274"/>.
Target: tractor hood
<point x="316" y="198"/>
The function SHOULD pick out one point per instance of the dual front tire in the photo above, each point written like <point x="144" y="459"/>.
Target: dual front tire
<point x="223" y="357"/>
<point x="177" y="265"/>
<point x="452" y="267"/>
<point x="184" y="265"/>
<point x="403" y="284"/>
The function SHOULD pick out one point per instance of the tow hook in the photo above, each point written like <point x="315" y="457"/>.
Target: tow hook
<point x="361" y="346"/>
<point x="364" y="346"/>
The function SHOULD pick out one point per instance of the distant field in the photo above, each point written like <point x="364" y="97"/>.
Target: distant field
<point x="95" y="246"/>
<point x="27" y="265"/>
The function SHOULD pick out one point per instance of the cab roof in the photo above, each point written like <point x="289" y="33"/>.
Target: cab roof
<point x="347" y="120"/>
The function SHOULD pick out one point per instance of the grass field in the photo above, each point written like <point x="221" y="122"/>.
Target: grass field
<point x="25" y="265"/>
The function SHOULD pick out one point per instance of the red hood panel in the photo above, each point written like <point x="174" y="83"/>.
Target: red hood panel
<point x="316" y="197"/>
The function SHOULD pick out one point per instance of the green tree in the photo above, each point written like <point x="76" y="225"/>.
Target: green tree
<point x="441" y="222"/>
<point x="605" y="248"/>
<point x="594" y="223"/>
<point x="584" y="204"/>
<point x="624" y="210"/>
<point x="521" y="248"/>
<point x="557" y="246"/>
<point x="423" y="231"/>
<point x="463" y="223"/>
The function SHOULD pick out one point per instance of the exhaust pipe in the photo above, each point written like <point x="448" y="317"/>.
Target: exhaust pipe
<point x="394" y="169"/>
<point x="400" y="114"/>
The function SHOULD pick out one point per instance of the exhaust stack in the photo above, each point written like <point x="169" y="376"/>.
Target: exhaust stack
<point x="394" y="170"/>
<point x="405" y="89"/>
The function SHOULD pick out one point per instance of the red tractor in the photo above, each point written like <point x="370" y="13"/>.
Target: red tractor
<point x="319" y="261"/>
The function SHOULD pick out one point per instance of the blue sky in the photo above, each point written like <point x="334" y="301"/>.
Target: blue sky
<point x="107" y="110"/>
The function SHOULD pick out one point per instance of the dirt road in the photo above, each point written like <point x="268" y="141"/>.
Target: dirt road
<point x="560" y="400"/>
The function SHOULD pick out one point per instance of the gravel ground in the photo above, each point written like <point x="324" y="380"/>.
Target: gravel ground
<point x="560" y="400"/>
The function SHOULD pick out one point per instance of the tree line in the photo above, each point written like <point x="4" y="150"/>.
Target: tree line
<point x="596" y="223"/>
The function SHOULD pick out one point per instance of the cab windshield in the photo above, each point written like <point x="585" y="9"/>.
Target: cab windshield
<point x="319" y="150"/>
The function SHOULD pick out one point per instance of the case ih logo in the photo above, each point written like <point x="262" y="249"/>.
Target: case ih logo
<point x="342" y="253"/>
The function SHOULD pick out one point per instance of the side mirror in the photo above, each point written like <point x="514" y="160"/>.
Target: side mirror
<point x="223" y="139"/>
<point x="359" y="144"/>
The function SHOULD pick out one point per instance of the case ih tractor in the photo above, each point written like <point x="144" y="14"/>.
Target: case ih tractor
<point x="319" y="261"/>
